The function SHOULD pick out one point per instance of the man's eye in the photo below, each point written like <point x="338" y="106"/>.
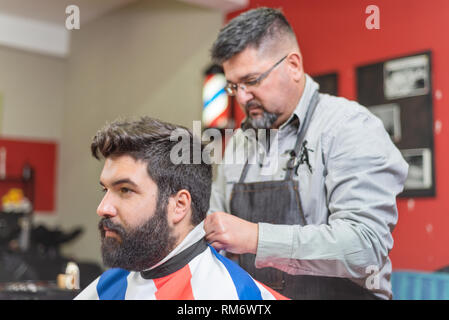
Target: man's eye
<point x="104" y="190"/>
<point x="125" y="190"/>
<point x="251" y="82"/>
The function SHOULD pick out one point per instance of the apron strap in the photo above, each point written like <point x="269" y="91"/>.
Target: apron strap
<point x="292" y="162"/>
<point x="244" y="172"/>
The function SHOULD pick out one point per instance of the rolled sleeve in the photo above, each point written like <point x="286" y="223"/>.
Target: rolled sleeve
<point x="274" y="242"/>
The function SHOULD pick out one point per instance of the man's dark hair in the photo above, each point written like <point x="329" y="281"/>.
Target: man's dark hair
<point x="148" y="139"/>
<point x="250" y="28"/>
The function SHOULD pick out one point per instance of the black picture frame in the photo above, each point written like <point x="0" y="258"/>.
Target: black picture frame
<point x="405" y="82"/>
<point x="328" y="82"/>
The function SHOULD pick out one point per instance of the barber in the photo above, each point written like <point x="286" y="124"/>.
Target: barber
<point x="313" y="217"/>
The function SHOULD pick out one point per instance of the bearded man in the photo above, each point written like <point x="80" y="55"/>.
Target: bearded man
<point x="151" y="223"/>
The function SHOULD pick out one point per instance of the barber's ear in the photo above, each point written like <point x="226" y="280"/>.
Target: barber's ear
<point x="180" y="206"/>
<point x="294" y="61"/>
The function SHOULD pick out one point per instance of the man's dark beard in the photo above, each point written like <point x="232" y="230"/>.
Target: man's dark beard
<point x="265" y="122"/>
<point x="140" y="248"/>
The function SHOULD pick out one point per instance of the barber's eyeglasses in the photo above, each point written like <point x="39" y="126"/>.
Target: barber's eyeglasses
<point x="231" y="88"/>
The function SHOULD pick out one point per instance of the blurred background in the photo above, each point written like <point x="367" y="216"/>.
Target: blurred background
<point x="59" y="84"/>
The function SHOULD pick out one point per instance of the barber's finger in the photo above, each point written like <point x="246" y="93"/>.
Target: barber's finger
<point x="210" y="229"/>
<point x="210" y="237"/>
<point x="223" y="238"/>
<point x="213" y="223"/>
<point x="213" y="237"/>
<point x="208" y="225"/>
<point x="217" y="245"/>
<point x="216" y="237"/>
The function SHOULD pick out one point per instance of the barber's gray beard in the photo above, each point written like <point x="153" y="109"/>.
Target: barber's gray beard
<point x="140" y="248"/>
<point x="265" y="122"/>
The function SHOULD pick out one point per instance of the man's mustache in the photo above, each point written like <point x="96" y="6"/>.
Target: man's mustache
<point x="107" y="223"/>
<point x="253" y="103"/>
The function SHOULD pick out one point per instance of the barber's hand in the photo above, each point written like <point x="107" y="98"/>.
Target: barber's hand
<point x="227" y="232"/>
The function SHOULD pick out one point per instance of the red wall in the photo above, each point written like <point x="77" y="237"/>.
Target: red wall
<point x="41" y="156"/>
<point x="333" y="37"/>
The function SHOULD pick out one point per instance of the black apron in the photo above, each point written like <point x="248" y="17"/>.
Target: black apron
<point x="278" y="202"/>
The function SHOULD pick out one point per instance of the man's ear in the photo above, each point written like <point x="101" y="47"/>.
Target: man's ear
<point x="294" y="61"/>
<point x="180" y="207"/>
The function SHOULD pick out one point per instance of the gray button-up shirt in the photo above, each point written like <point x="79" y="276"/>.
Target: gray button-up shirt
<point x="348" y="198"/>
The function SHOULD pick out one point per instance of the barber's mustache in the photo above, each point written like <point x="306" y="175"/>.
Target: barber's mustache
<point x="107" y="223"/>
<point x="253" y="103"/>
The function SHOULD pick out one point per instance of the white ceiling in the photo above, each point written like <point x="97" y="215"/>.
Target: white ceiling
<point x="53" y="11"/>
<point x="39" y="25"/>
<point x="223" y="5"/>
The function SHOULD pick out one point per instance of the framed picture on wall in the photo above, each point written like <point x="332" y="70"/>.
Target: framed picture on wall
<point x="407" y="77"/>
<point x="399" y="92"/>
<point x="420" y="169"/>
<point x="390" y="114"/>
<point x="328" y="82"/>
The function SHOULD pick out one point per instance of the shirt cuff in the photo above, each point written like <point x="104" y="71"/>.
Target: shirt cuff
<point x="275" y="242"/>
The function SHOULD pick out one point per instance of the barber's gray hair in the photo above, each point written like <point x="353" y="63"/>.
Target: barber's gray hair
<point x="250" y="28"/>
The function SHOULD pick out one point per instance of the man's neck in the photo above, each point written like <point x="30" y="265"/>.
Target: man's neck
<point x="177" y="261"/>
<point x="296" y="98"/>
<point x="194" y="235"/>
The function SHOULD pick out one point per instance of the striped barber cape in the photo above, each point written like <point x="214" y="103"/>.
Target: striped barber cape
<point x="192" y="271"/>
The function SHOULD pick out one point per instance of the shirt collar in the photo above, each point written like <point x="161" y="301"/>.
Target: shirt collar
<point x="301" y="108"/>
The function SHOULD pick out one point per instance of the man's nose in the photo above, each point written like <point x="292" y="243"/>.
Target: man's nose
<point x="106" y="208"/>
<point x="243" y="96"/>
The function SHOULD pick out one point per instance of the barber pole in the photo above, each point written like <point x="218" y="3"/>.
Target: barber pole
<point x="216" y="103"/>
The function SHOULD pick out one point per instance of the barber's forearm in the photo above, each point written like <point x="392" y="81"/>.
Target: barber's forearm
<point x="274" y="241"/>
<point x="340" y="250"/>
